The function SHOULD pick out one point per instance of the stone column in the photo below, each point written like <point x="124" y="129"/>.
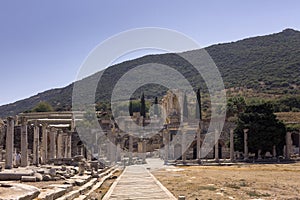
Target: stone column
<point x="216" y="145"/>
<point x="59" y="153"/>
<point x="288" y="139"/>
<point x="69" y="147"/>
<point x="118" y="157"/>
<point x="183" y="145"/>
<point x="231" y="145"/>
<point x="9" y="143"/>
<point x="166" y="143"/>
<point x="199" y="143"/>
<point x="246" y="153"/>
<point x="130" y="148"/>
<point x="24" y="143"/>
<point x="44" y="143"/>
<point x="73" y="124"/>
<point x="53" y="134"/>
<point x="36" y="143"/>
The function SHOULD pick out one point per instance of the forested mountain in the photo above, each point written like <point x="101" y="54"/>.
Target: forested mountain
<point x="265" y="64"/>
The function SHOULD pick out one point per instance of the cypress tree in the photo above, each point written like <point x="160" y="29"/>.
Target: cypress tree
<point x="155" y="106"/>
<point x="185" y="107"/>
<point x="130" y="108"/>
<point x="143" y="106"/>
<point x="198" y="106"/>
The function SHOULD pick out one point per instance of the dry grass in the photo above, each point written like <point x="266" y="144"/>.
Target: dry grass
<point x="273" y="181"/>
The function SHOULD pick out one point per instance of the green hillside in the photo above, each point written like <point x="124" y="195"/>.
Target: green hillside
<point x="266" y="65"/>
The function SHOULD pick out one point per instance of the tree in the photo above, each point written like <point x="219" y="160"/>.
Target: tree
<point x="265" y="130"/>
<point x="143" y="106"/>
<point x="156" y="106"/>
<point x="42" y="107"/>
<point x="130" y="108"/>
<point x="235" y="105"/>
<point x="185" y="107"/>
<point x="198" y="106"/>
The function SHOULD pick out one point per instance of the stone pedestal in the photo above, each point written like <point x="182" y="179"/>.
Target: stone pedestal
<point x="246" y="153"/>
<point x="36" y="144"/>
<point x="24" y="143"/>
<point x="259" y="154"/>
<point x="231" y="146"/>
<point x="9" y="143"/>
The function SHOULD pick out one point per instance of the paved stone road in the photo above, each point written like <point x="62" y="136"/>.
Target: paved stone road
<point x="136" y="182"/>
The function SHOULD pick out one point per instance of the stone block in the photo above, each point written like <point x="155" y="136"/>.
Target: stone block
<point x="28" y="179"/>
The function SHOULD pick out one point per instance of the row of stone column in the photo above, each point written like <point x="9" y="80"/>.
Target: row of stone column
<point x="60" y="143"/>
<point x="166" y="141"/>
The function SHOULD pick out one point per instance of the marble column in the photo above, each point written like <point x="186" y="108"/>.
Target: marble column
<point x="166" y="144"/>
<point x="199" y="142"/>
<point x="231" y="145"/>
<point x="69" y="147"/>
<point x="246" y="153"/>
<point x="118" y="157"/>
<point x="59" y="153"/>
<point x="24" y="143"/>
<point x="53" y="134"/>
<point x="9" y="143"/>
<point x="216" y="145"/>
<point x="183" y="145"/>
<point x="288" y="139"/>
<point x="130" y="148"/>
<point x="36" y="143"/>
<point x="44" y="143"/>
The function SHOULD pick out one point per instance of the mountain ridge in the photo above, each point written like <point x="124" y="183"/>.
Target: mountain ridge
<point x="267" y="64"/>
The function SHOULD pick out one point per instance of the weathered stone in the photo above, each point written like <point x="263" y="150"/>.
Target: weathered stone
<point x="19" y="191"/>
<point x="52" y="171"/>
<point x="28" y="179"/>
<point x="7" y="175"/>
<point x="39" y="177"/>
<point x="47" y="177"/>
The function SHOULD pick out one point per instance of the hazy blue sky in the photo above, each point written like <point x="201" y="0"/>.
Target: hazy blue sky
<point x="43" y="43"/>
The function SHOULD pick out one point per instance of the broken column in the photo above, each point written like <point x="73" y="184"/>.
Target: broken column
<point x="24" y="143"/>
<point x="246" y="153"/>
<point x="36" y="143"/>
<point x="231" y="145"/>
<point x="9" y="143"/>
